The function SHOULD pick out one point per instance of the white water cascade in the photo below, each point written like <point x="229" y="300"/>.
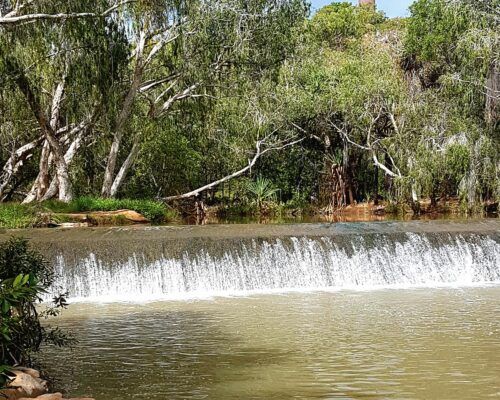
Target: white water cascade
<point x="355" y="262"/>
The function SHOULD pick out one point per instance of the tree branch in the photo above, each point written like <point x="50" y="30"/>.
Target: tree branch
<point x="13" y="18"/>
<point x="259" y="152"/>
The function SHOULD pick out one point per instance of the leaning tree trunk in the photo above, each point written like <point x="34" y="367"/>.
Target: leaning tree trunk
<point x="122" y="118"/>
<point x="41" y="183"/>
<point x="122" y="173"/>
<point x="65" y="190"/>
<point x="14" y="164"/>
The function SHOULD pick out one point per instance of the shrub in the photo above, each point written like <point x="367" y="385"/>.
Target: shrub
<point x="24" y="278"/>
<point x="261" y="190"/>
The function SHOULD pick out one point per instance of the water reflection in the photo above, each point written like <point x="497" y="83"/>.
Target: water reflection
<point x="418" y="344"/>
<point x="361" y="216"/>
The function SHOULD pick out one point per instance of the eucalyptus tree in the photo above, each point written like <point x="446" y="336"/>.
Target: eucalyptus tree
<point x="87" y="67"/>
<point x="63" y="70"/>
<point x="188" y="50"/>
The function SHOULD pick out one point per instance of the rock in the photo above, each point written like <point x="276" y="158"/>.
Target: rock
<point x="30" y="371"/>
<point x="119" y="217"/>
<point x="48" y="396"/>
<point x="129" y="215"/>
<point x="25" y="384"/>
<point x="54" y="396"/>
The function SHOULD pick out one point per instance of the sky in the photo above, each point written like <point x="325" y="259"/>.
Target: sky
<point x="392" y="8"/>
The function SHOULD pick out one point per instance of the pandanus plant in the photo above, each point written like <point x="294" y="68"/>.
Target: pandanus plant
<point x="261" y="190"/>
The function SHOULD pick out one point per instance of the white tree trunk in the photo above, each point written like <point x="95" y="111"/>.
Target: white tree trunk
<point x="14" y="164"/>
<point x="68" y="158"/>
<point x="41" y="183"/>
<point x="122" y="118"/>
<point x="120" y="176"/>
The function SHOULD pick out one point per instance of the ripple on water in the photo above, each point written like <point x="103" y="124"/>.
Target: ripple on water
<point x="408" y="344"/>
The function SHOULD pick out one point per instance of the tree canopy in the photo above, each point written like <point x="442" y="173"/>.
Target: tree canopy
<point x="174" y="98"/>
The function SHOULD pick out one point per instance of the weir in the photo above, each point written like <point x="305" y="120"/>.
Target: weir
<point x="153" y="263"/>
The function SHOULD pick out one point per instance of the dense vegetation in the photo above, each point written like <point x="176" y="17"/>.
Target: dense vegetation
<point x="24" y="278"/>
<point x="248" y="103"/>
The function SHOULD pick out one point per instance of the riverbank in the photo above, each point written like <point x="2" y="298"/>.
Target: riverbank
<point x="88" y="211"/>
<point x="83" y="211"/>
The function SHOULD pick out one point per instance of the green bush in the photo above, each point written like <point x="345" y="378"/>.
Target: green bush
<point x="24" y="277"/>
<point x="260" y="191"/>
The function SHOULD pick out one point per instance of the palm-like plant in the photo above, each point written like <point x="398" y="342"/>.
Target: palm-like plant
<point x="261" y="190"/>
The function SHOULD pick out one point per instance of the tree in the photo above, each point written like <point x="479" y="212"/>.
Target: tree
<point x="126" y="60"/>
<point x="63" y="75"/>
<point x="455" y="44"/>
<point x="189" y="52"/>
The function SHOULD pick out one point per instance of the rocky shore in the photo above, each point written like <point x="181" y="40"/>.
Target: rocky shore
<point x="27" y="384"/>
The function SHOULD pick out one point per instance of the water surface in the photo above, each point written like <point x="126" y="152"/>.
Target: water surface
<point x="387" y="344"/>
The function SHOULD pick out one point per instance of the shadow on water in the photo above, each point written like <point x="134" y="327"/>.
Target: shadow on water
<point x="164" y="355"/>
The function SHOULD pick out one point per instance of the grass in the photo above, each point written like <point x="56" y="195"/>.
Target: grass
<point x="14" y="215"/>
<point x="17" y="216"/>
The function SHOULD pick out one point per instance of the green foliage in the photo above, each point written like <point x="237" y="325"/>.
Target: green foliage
<point x="434" y="30"/>
<point x="455" y="44"/>
<point x="400" y="102"/>
<point x="338" y="23"/>
<point x="261" y="190"/>
<point x="17" y="216"/>
<point x="24" y="278"/>
<point x="335" y="23"/>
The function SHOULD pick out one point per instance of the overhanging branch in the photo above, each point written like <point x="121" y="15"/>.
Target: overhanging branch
<point x="13" y="18"/>
<point x="259" y="152"/>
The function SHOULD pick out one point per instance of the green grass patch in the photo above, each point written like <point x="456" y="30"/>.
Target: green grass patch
<point x="17" y="216"/>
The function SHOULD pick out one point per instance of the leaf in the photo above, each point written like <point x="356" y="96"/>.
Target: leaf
<point x="18" y="280"/>
<point x="26" y="278"/>
<point x="5" y="306"/>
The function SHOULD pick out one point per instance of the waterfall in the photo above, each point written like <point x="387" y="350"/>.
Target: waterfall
<point x="255" y="265"/>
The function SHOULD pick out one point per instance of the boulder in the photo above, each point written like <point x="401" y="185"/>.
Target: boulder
<point x="129" y="215"/>
<point x="30" y="371"/>
<point x="25" y="383"/>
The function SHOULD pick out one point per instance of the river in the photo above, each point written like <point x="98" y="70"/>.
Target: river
<point x="389" y="310"/>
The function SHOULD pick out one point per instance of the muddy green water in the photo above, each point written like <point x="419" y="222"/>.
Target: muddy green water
<point x="387" y="344"/>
